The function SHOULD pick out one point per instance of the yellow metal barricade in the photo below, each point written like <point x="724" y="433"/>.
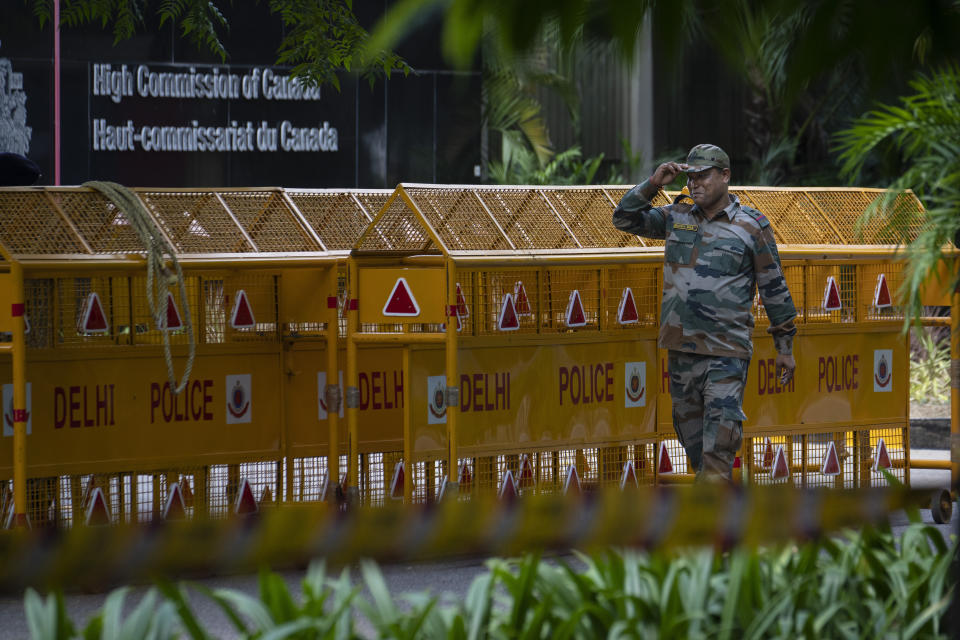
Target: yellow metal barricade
<point x="410" y="343"/>
<point x="264" y="273"/>
<point x="557" y="396"/>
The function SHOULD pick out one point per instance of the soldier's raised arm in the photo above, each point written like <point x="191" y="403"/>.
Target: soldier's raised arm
<point x="636" y="214"/>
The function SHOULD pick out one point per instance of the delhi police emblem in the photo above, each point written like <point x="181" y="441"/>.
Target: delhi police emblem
<point x="238" y="399"/>
<point x="635" y="377"/>
<point x="9" y="416"/>
<point x="883" y="370"/>
<point x="436" y="402"/>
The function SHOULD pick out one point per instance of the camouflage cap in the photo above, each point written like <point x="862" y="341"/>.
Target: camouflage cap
<point x="704" y="156"/>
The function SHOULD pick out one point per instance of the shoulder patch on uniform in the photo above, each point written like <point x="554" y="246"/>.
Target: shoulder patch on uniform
<point x="756" y="215"/>
<point x="685" y="227"/>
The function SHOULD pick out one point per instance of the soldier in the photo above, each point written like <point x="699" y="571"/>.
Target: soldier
<point x="717" y="254"/>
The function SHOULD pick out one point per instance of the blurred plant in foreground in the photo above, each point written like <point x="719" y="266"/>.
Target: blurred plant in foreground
<point x="863" y="584"/>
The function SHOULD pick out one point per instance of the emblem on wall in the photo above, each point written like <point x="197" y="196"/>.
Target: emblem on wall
<point x="239" y="399"/>
<point x="635" y="379"/>
<point x="436" y="403"/>
<point x="8" y="409"/>
<point x="883" y="369"/>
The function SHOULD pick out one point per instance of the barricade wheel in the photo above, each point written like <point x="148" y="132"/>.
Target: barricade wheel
<point x="941" y="507"/>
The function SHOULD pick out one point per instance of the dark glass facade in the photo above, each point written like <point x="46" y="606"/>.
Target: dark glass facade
<point x="155" y="111"/>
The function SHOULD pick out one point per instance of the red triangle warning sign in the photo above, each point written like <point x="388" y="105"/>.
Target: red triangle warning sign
<point x="831" y="461"/>
<point x="881" y="293"/>
<point x="401" y="302"/>
<point x="186" y="492"/>
<point x="463" y="311"/>
<point x="664" y="464"/>
<point x="627" y="311"/>
<point x="88" y="491"/>
<point x="575" y="314"/>
<point x="881" y="459"/>
<point x="767" y="454"/>
<point x="174" y="509"/>
<point x="464" y="477"/>
<point x="242" y="315"/>
<point x="173" y="315"/>
<point x="521" y="299"/>
<point x="93" y="319"/>
<point x="526" y="472"/>
<point x="780" y="467"/>
<point x="628" y="479"/>
<point x="571" y="484"/>
<point x="266" y="496"/>
<point x="831" y="295"/>
<point x="459" y="324"/>
<point x="508" y="319"/>
<point x="396" y="484"/>
<point x="325" y="489"/>
<point x="98" y="513"/>
<point x="246" y="503"/>
<point x="508" y="488"/>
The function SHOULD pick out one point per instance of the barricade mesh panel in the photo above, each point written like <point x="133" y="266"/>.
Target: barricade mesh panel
<point x="870" y="281"/>
<point x="894" y="442"/>
<point x="587" y="212"/>
<point x="678" y="456"/>
<point x="760" y="454"/>
<point x="560" y="311"/>
<point x="38" y="310"/>
<point x="196" y="222"/>
<point x="527" y="219"/>
<point x="485" y="293"/>
<point x="337" y="218"/>
<point x="373" y="201"/>
<point x="145" y="330"/>
<point x="269" y="221"/>
<point x="795" y="218"/>
<point x="644" y="284"/>
<point x="111" y="304"/>
<point x="398" y="230"/>
<point x="806" y="455"/>
<point x="845" y="206"/>
<point x="31" y="224"/>
<point x="104" y="227"/>
<point x="219" y="297"/>
<point x="459" y="218"/>
<point x="817" y="294"/>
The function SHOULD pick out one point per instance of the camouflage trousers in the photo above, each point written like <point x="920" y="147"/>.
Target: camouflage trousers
<point x="707" y="394"/>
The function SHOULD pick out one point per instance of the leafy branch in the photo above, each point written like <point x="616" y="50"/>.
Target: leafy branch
<point x="924" y="133"/>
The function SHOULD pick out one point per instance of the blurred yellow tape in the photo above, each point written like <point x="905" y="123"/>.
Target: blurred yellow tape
<point x="292" y="534"/>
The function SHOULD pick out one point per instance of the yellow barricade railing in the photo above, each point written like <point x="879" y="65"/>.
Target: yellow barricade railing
<point x="324" y="394"/>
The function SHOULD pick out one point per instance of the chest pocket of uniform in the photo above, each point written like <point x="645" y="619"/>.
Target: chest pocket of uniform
<point x="679" y="247"/>
<point x="726" y="258"/>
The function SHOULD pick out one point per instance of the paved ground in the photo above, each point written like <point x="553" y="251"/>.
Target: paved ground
<point x="451" y="578"/>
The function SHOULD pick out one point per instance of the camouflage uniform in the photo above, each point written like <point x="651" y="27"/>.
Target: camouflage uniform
<point x="712" y="267"/>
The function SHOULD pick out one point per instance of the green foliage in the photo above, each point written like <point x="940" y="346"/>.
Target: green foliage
<point x="322" y="37"/>
<point x="566" y="167"/>
<point x="930" y="369"/>
<point x="47" y="619"/>
<point x="924" y="133"/>
<point x="863" y="584"/>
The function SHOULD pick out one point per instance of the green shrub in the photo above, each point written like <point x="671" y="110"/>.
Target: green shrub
<point x="930" y="369"/>
<point x="864" y="584"/>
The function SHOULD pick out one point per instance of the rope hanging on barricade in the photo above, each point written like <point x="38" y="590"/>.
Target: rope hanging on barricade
<point x="158" y="250"/>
